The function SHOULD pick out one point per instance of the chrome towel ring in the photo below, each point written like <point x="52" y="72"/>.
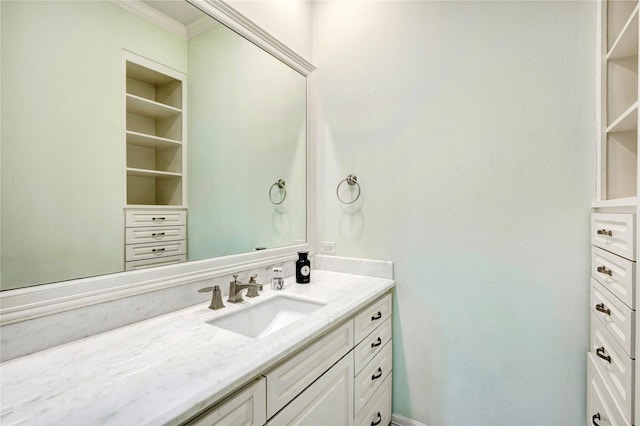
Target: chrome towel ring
<point x="281" y="185"/>
<point x="351" y="180"/>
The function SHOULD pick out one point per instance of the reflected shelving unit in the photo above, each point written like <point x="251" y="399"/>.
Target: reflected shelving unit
<point x="155" y="143"/>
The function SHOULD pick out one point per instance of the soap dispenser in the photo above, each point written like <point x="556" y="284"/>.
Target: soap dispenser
<point x="303" y="268"/>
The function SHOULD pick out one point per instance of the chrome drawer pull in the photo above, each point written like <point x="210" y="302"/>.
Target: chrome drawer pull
<point x="377" y="422"/>
<point x="158" y="234"/>
<point x="377" y="317"/>
<point x="158" y="250"/>
<point x="600" y="352"/>
<point x="605" y="232"/>
<point x="604" y="270"/>
<point x="594" y="418"/>
<point x="158" y="218"/>
<point x="600" y="307"/>
<point x="376" y="343"/>
<point x="377" y="375"/>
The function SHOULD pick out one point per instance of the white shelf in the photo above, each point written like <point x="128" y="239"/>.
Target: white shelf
<point x="151" y="173"/>
<point x="150" y="141"/>
<point x="617" y="202"/>
<point x="627" y="121"/>
<point x="627" y="42"/>
<point x="151" y="109"/>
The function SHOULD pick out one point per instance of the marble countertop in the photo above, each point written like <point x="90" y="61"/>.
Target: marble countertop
<point x="166" y="369"/>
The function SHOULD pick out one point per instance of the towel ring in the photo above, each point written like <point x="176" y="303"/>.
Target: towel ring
<point x="351" y="180"/>
<point x="281" y="185"/>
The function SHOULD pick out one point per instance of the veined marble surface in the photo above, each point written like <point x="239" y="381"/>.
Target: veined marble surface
<point x="167" y="369"/>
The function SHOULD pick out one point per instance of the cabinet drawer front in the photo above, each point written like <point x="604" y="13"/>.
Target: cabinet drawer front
<point x="617" y="369"/>
<point x="155" y="250"/>
<point x="371" y="317"/>
<point x="149" y="263"/>
<point x="372" y="344"/>
<point x="247" y="407"/>
<point x="155" y="217"/>
<point x="602" y="409"/>
<point x="377" y="411"/>
<point x="372" y="376"/>
<point x="615" y="273"/>
<point x="328" y="401"/>
<point x="616" y="317"/>
<point x="614" y="233"/>
<point x="291" y="377"/>
<point x="154" y="234"/>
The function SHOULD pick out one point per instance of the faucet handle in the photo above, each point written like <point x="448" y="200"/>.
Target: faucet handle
<point x="252" y="279"/>
<point x="235" y="277"/>
<point x="205" y="289"/>
<point x="216" y="298"/>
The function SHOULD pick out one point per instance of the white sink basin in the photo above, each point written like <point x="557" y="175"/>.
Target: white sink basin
<point x="266" y="317"/>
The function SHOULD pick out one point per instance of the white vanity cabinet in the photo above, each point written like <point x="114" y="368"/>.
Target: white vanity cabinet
<point x="613" y="377"/>
<point x="341" y="378"/>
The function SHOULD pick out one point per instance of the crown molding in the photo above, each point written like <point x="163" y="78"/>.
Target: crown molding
<point x="150" y="14"/>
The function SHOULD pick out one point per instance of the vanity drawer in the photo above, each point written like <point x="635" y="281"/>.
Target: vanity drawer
<point x="616" y="274"/>
<point x="615" y="366"/>
<point x="372" y="345"/>
<point x="292" y="376"/>
<point x="372" y="376"/>
<point x="602" y="408"/>
<point x="377" y="411"/>
<point x="154" y="250"/>
<point x="149" y="263"/>
<point x="615" y="316"/>
<point x="614" y="233"/>
<point x="371" y="317"/>
<point x="135" y="218"/>
<point x="152" y="234"/>
<point x="246" y="407"/>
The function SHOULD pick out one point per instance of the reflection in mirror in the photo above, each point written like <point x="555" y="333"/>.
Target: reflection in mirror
<point x="67" y="163"/>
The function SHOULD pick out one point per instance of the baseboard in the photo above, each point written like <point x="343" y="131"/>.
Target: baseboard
<point x="398" y="420"/>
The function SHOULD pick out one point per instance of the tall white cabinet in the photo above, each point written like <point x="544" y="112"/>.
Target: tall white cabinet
<point x="612" y="388"/>
<point x="155" y="166"/>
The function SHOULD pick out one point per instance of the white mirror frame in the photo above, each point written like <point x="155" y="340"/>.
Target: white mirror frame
<point x="37" y="301"/>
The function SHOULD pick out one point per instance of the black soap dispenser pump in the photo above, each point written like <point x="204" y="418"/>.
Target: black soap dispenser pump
<point x="303" y="268"/>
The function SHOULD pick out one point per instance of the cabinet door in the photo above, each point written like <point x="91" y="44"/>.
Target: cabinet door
<point x="246" y="408"/>
<point x="328" y="401"/>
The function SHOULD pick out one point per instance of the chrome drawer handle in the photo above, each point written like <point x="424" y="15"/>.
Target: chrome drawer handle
<point x="600" y="307"/>
<point x="377" y="375"/>
<point x="158" y="218"/>
<point x="376" y="343"/>
<point x="604" y="270"/>
<point x="158" y="250"/>
<point x="377" y="422"/>
<point x="594" y="418"/>
<point x="600" y="352"/>
<point x="377" y="316"/>
<point x="605" y="232"/>
<point x="158" y="234"/>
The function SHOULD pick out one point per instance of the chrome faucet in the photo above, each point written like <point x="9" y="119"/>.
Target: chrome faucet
<point x="216" y="298"/>
<point x="236" y="287"/>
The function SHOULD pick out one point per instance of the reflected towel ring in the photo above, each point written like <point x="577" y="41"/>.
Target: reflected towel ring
<point x="351" y="180"/>
<point x="281" y="185"/>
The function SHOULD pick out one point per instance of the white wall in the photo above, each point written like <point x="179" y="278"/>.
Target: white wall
<point x="471" y="128"/>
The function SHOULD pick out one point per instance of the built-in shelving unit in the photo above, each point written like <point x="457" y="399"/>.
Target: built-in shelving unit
<point x="155" y="142"/>
<point x="613" y="378"/>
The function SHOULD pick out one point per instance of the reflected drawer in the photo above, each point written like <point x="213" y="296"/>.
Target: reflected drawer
<point x="614" y="233"/>
<point x="372" y="376"/>
<point x="377" y="411"/>
<point x="615" y="316"/>
<point x="154" y="250"/>
<point x="615" y="366"/>
<point x="167" y="217"/>
<point x="150" y="263"/>
<point x="152" y="234"/>
<point x="372" y="344"/>
<point x="602" y="409"/>
<point x="371" y="317"/>
<point x="615" y="273"/>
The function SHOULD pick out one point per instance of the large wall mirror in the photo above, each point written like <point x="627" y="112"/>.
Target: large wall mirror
<point x="64" y="119"/>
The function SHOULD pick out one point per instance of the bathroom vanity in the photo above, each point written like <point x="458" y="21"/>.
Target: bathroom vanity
<point x="183" y="368"/>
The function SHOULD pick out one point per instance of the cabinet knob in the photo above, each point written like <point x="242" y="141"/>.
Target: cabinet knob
<point x="594" y="418"/>
<point x="604" y="270"/>
<point x="605" y="232"/>
<point x="601" y="353"/>
<point x="158" y="250"/>
<point x="376" y="343"/>
<point x="155" y="219"/>
<point x="600" y="307"/>
<point x="377" y="375"/>
<point x="377" y="421"/>
<point x="377" y="316"/>
<point x="158" y="234"/>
